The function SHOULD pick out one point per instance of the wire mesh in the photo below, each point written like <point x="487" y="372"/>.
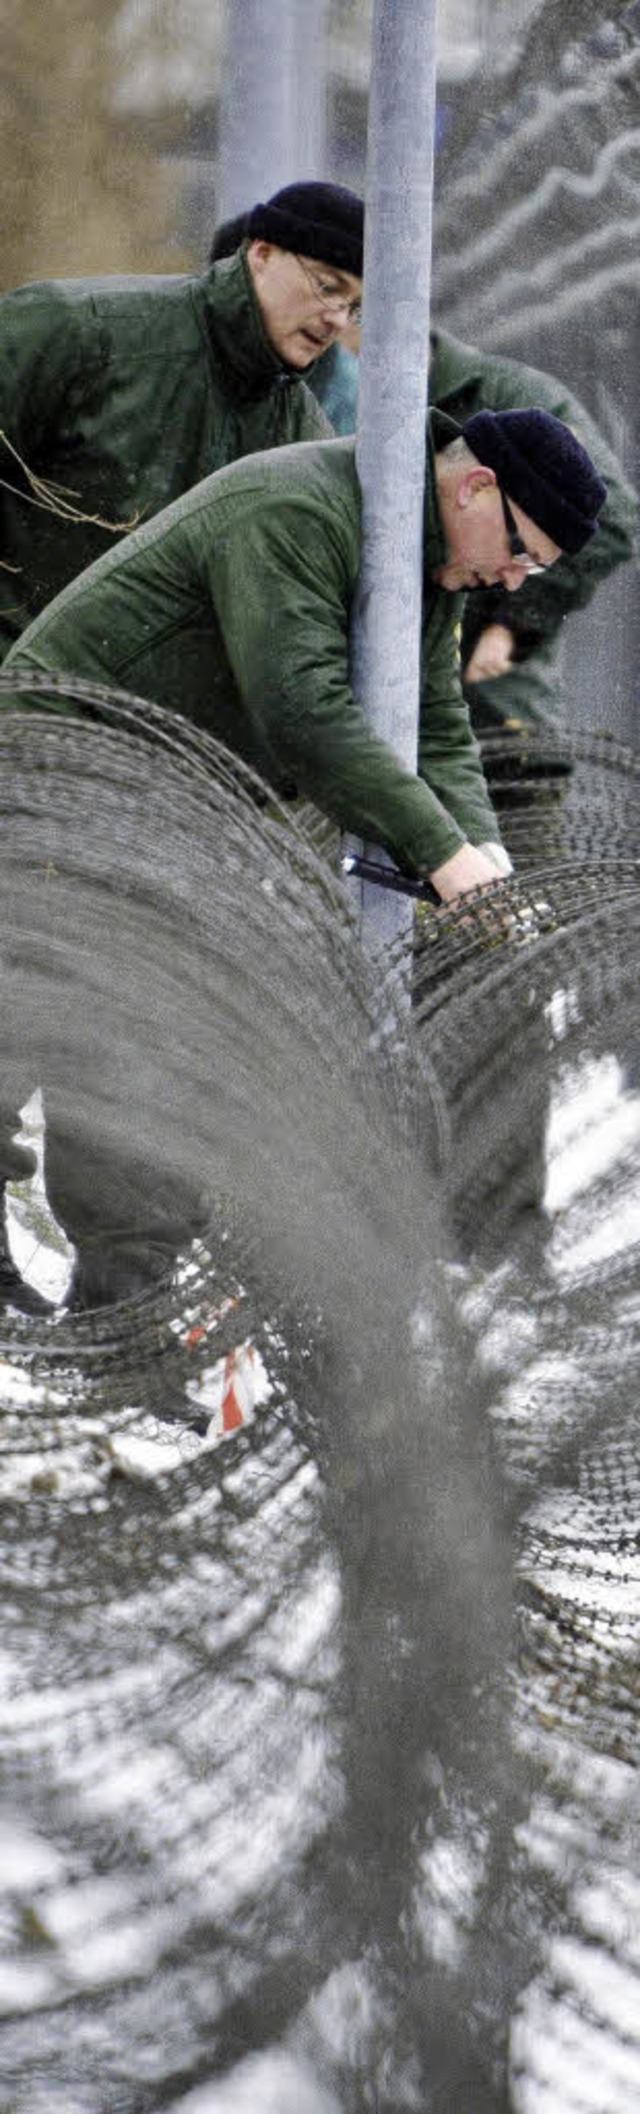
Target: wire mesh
<point x="294" y="1805"/>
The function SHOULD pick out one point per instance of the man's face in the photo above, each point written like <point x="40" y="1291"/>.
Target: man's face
<point x="304" y="304"/>
<point x="478" y="537"/>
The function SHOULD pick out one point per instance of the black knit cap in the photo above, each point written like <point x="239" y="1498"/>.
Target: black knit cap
<point x="539" y="463"/>
<point x="320" y="220"/>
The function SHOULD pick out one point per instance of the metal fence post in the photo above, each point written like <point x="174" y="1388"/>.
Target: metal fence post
<point x="392" y="398"/>
<point x="272" y="104"/>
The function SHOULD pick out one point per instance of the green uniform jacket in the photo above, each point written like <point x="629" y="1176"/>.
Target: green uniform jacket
<point x="233" y="608"/>
<point x="126" y="392"/>
<point x="463" y="380"/>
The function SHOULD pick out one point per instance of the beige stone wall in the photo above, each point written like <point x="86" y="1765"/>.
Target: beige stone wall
<point x="81" y="190"/>
<point x="108" y="121"/>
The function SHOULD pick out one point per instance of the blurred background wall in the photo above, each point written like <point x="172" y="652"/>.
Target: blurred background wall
<point x="536" y="255"/>
<point x="111" y="117"/>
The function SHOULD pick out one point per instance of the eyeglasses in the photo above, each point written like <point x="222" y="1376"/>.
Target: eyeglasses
<point x="518" y="549"/>
<point x="338" y="304"/>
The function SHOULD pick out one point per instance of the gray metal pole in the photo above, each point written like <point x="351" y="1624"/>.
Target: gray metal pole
<point x="311" y="29"/>
<point x="257" y="103"/>
<point x="272" y="117"/>
<point x="392" y="395"/>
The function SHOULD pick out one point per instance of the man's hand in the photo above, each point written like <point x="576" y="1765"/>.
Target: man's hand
<point x="470" y="867"/>
<point x="492" y="655"/>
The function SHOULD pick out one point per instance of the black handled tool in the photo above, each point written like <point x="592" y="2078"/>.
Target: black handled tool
<point x="355" y="864"/>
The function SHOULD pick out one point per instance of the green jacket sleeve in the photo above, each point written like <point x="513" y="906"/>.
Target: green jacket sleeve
<point x="41" y="357"/>
<point x="448" y="754"/>
<point x="281" y="582"/>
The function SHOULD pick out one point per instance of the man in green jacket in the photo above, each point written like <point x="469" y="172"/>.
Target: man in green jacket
<point x="117" y="394"/>
<point x="509" y="649"/>
<point x="233" y="608"/>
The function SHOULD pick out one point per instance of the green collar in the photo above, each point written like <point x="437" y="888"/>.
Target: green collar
<point x="463" y="363"/>
<point x="235" y="327"/>
<point x="441" y="431"/>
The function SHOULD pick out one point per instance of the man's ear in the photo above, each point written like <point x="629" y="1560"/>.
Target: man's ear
<point x="259" y="253"/>
<point x="479" y="479"/>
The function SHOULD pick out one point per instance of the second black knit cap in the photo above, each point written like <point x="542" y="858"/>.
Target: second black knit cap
<point x="319" y="220"/>
<point x="539" y="463"/>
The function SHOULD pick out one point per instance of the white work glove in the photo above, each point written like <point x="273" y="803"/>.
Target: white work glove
<point x="498" y="857"/>
<point x="473" y="866"/>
